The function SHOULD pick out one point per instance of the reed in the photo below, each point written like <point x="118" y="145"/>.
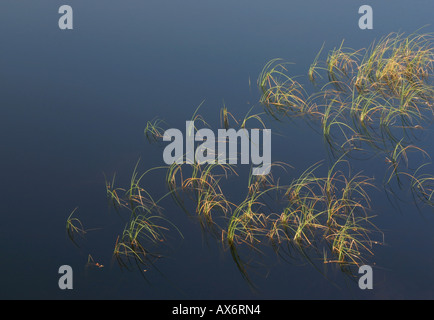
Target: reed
<point x="153" y="130"/>
<point x="74" y="227"/>
<point x="225" y="115"/>
<point x="112" y="193"/>
<point x="250" y="116"/>
<point x="422" y="186"/>
<point x="398" y="161"/>
<point x="313" y="72"/>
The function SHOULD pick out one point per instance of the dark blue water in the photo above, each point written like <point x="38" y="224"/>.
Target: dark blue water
<point x="74" y="105"/>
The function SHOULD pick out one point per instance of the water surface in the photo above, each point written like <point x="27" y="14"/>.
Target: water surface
<point x="74" y="105"/>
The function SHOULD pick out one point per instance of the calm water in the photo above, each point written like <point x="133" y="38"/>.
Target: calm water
<point x="74" y="105"/>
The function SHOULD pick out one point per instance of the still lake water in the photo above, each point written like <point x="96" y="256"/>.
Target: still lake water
<point x="74" y="105"/>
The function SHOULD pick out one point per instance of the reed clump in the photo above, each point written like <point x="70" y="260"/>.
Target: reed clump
<point x="375" y="100"/>
<point x="204" y="188"/>
<point x="370" y="99"/>
<point x="312" y="214"/>
<point x="328" y="212"/>
<point x="373" y="96"/>
<point x="390" y="85"/>
<point x="281" y="94"/>
<point x="146" y="228"/>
